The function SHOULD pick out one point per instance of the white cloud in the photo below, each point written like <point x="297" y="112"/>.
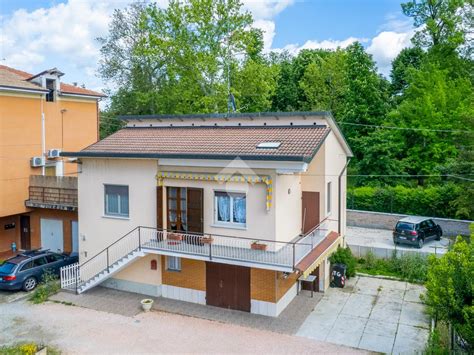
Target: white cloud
<point x="325" y="44"/>
<point x="266" y="9"/>
<point x="268" y="28"/>
<point x="385" y="47"/>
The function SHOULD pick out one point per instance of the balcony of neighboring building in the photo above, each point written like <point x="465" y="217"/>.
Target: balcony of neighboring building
<point x="53" y="192"/>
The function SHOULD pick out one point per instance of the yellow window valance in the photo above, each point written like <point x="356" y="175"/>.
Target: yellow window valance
<point x="252" y="179"/>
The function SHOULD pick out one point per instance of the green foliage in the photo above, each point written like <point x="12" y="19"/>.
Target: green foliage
<point x="47" y="287"/>
<point x="435" y="346"/>
<point x="344" y="256"/>
<point x="27" y="349"/>
<point x="450" y="288"/>
<point x="433" y="201"/>
<point x="407" y="59"/>
<point x="408" y="267"/>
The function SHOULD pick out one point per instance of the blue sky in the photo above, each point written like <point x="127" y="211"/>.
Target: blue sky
<point x="38" y="34"/>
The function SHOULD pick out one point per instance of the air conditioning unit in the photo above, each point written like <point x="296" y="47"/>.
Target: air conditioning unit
<point x="54" y="153"/>
<point x="37" y="162"/>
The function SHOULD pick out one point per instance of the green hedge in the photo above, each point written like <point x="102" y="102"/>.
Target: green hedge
<point x="433" y="201"/>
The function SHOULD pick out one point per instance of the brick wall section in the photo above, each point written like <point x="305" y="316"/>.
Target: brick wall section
<point x="192" y="274"/>
<point x="283" y="285"/>
<point x="263" y="285"/>
<point x="379" y="220"/>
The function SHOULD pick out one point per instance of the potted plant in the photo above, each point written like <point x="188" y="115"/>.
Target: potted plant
<point x="146" y="304"/>
<point x="258" y="246"/>
<point x="175" y="236"/>
<point x="207" y="240"/>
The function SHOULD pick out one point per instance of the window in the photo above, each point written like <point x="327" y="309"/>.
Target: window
<point x="27" y="266"/>
<point x="116" y="200"/>
<point x="39" y="262"/>
<point x="52" y="258"/>
<point x="50" y="85"/>
<point x="173" y="263"/>
<point x="230" y="208"/>
<point x="328" y="208"/>
<point x="430" y="223"/>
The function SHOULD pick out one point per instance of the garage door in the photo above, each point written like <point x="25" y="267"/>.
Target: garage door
<point x="52" y="234"/>
<point x="75" y="237"/>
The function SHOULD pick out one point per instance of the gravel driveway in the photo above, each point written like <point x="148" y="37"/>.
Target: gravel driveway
<point x="77" y="330"/>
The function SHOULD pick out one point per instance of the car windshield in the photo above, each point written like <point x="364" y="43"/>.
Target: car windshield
<point x="7" y="268"/>
<point x="405" y="226"/>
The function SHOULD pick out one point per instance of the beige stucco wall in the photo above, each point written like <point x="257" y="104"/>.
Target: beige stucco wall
<point x="140" y="271"/>
<point x="287" y="205"/>
<point x="97" y="231"/>
<point x="314" y="179"/>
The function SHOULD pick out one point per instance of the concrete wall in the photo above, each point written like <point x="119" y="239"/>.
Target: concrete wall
<point x="287" y="205"/>
<point x="368" y="219"/>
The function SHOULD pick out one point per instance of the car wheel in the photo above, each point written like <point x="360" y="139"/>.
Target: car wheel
<point x="29" y="284"/>
<point x="420" y="243"/>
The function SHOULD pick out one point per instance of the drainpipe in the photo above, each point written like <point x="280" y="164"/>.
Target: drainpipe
<point x="340" y="196"/>
<point x="43" y="135"/>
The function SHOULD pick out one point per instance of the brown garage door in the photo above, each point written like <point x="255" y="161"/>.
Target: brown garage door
<point x="228" y="286"/>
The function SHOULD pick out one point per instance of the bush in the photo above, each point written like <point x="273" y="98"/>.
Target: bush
<point x="344" y="256"/>
<point x="434" y="345"/>
<point x="26" y="349"/>
<point x="48" y="287"/>
<point x="433" y="201"/>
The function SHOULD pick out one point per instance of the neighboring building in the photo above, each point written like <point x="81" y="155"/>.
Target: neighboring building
<point x="39" y="117"/>
<point x="225" y="210"/>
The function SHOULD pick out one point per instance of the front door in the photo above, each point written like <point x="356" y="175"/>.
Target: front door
<point x="52" y="234"/>
<point x="310" y="211"/>
<point x="228" y="286"/>
<point x="25" y="232"/>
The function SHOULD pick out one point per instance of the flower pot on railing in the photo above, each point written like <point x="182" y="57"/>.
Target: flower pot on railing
<point x="175" y="236"/>
<point x="258" y="246"/>
<point x="207" y="240"/>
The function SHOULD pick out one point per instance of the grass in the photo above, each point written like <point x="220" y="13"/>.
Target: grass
<point x="48" y="287"/>
<point x="27" y="349"/>
<point x="408" y="267"/>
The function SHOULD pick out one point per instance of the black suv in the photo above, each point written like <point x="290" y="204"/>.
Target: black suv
<point x="25" y="270"/>
<point x="416" y="230"/>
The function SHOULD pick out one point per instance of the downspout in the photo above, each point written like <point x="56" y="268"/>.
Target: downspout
<point x="43" y="136"/>
<point x="340" y="196"/>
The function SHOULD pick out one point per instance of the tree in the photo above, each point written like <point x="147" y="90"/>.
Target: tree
<point x="406" y="59"/>
<point x="450" y="288"/>
<point x="441" y="22"/>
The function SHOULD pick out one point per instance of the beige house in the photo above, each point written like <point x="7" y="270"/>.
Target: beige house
<point x="224" y="210"/>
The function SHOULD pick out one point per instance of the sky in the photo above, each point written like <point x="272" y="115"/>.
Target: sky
<point x="40" y="34"/>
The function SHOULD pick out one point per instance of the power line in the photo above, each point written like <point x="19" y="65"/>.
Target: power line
<point x="406" y="128"/>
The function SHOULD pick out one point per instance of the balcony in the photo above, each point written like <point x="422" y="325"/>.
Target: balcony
<point x="53" y="192"/>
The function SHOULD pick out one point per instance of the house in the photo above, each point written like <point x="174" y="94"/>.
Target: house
<point x="225" y="210"/>
<point x="40" y="116"/>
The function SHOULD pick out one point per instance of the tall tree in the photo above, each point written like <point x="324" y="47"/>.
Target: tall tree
<point x="407" y="59"/>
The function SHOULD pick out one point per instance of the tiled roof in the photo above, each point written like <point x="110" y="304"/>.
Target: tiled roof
<point x="309" y="259"/>
<point x="17" y="78"/>
<point x="298" y="143"/>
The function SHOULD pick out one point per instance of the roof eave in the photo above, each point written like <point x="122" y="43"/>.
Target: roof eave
<point x="84" y="154"/>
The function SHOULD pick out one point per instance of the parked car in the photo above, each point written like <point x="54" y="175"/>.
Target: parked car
<point x="416" y="230"/>
<point x="25" y="270"/>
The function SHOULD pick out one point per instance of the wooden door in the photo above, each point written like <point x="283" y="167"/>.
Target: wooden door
<point x="228" y="286"/>
<point x="25" y="234"/>
<point x="310" y="209"/>
<point x="195" y="208"/>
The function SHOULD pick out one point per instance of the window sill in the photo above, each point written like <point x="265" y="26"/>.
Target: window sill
<point x="116" y="217"/>
<point x="229" y="226"/>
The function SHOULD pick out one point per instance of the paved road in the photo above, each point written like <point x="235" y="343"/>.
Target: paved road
<point x="77" y="330"/>
<point x="379" y="315"/>
<point x="382" y="239"/>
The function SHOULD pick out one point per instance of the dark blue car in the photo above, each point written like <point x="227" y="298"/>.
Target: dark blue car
<point x="25" y="270"/>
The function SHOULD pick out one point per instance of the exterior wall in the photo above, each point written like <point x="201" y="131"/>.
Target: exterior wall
<point x="314" y="179"/>
<point x="97" y="231"/>
<point x="288" y="207"/>
<point x="192" y="274"/>
<point x="260" y="222"/>
<point x="7" y="237"/>
<point x="21" y="135"/>
<point x="263" y="285"/>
